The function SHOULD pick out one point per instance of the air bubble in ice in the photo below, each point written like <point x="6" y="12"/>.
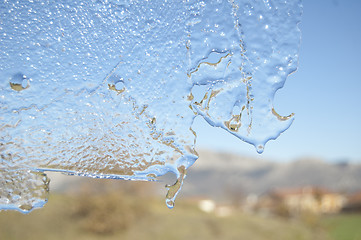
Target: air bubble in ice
<point x="19" y="82"/>
<point x="119" y="86"/>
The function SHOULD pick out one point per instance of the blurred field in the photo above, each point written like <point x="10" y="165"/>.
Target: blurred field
<point x="104" y="209"/>
<point x="343" y="227"/>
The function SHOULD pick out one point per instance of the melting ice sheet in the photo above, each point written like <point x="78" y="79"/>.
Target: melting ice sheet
<point x="109" y="89"/>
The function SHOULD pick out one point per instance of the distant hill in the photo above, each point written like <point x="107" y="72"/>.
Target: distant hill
<point x="222" y="175"/>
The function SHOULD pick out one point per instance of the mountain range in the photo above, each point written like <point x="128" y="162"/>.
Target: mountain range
<point x="220" y="175"/>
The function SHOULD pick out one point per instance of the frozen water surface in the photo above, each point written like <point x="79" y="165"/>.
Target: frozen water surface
<point x="109" y="89"/>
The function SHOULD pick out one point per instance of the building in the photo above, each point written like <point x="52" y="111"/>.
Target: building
<point x="308" y="199"/>
<point x="353" y="203"/>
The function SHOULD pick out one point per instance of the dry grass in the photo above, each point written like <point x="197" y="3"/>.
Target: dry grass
<point x="109" y="210"/>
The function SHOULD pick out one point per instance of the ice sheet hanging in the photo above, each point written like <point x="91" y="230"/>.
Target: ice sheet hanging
<point x="107" y="88"/>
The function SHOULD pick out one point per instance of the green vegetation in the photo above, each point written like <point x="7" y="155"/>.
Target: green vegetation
<point x="343" y="227"/>
<point x="125" y="210"/>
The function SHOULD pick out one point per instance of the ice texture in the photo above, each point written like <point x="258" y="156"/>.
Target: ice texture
<point x="109" y="89"/>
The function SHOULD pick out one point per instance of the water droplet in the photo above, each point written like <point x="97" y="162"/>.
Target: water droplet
<point x="170" y="203"/>
<point x="26" y="207"/>
<point x="174" y="189"/>
<point x="151" y="176"/>
<point x="260" y="148"/>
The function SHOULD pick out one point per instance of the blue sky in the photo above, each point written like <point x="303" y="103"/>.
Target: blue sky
<point x="325" y="92"/>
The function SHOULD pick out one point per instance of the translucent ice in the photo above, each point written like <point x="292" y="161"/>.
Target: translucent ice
<point x="110" y="88"/>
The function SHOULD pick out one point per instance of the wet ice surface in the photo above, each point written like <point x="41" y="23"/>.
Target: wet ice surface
<point x="109" y="89"/>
